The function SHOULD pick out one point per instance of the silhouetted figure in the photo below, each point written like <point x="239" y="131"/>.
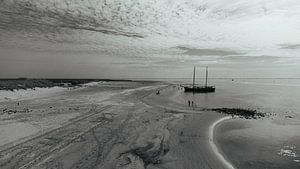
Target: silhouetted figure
<point x="157" y="93"/>
<point x="189" y="103"/>
<point x="192" y="103"/>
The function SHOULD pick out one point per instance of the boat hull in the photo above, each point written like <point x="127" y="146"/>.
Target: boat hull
<point x="204" y="89"/>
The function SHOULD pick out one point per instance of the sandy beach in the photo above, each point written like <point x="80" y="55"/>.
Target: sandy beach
<point x="137" y="84"/>
<point x="109" y="126"/>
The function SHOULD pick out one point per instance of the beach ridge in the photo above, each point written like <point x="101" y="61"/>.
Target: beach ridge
<point x="214" y="146"/>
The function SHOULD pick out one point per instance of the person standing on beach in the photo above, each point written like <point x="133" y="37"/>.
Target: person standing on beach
<point x="189" y="102"/>
<point x="192" y="103"/>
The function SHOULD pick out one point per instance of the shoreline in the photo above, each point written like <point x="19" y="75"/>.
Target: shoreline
<point x="186" y="128"/>
<point x="213" y="144"/>
<point x="155" y="130"/>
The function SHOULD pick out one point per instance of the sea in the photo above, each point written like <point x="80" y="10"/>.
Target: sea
<point x="271" y="142"/>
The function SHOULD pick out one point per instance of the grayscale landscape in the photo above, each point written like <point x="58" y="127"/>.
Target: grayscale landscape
<point x="156" y="84"/>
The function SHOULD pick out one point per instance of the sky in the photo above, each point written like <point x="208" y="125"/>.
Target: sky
<point x="149" y="39"/>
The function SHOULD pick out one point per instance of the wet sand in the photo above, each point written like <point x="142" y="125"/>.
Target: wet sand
<point x="133" y="128"/>
<point x="212" y="141"/>
<point x="260" y="143"/>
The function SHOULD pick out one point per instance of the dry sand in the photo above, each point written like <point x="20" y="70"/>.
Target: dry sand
<point x="131" y="128"/>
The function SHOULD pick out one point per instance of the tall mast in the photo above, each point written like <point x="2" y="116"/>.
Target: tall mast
<point x="206" y="76"/>
<point x="194" y="79"/>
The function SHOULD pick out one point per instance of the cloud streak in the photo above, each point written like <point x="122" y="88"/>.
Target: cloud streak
<point x="148" y="35"/>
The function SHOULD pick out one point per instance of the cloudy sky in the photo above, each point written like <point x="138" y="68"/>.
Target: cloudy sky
<point x="152" y="39"/>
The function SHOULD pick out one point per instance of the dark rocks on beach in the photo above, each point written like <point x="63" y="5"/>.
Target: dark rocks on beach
<point x="14" y="111"/>
<point x="244" y="113"/>
<point x="288" y="117"/>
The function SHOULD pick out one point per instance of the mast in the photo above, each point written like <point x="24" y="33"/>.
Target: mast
<point x="206" y="76"/>
<point x="194" y="79"/>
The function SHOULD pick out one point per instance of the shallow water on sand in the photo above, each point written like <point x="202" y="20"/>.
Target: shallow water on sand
<point x="272" y="142"/>
<point x="271" y="95"/>
<point x="259" y="144"/>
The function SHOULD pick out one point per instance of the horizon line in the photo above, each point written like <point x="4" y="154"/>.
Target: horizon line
<point x="129" y="78"/>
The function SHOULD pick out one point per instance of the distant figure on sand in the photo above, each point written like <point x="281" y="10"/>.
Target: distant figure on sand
<point x="157" y="93"/>
<point x="192" y="103"/>
<point x="189" y="102"/>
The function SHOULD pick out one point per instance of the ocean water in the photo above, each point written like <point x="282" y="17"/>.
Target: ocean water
<point x="270" y="142"/>
<point x="268" y="95"/>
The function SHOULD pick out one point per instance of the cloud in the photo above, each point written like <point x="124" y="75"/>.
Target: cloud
<point x="206" y="52"/>
<point x="48" y="16"/>
<point x="245" y="59"/>
<point x="155" y="35"/>
<point x="290" y="46"/>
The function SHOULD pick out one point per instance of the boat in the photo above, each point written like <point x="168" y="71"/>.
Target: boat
<point x="199" y="89"/>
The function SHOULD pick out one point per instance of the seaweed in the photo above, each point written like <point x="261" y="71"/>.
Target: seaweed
<point x="244" y="113"/>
